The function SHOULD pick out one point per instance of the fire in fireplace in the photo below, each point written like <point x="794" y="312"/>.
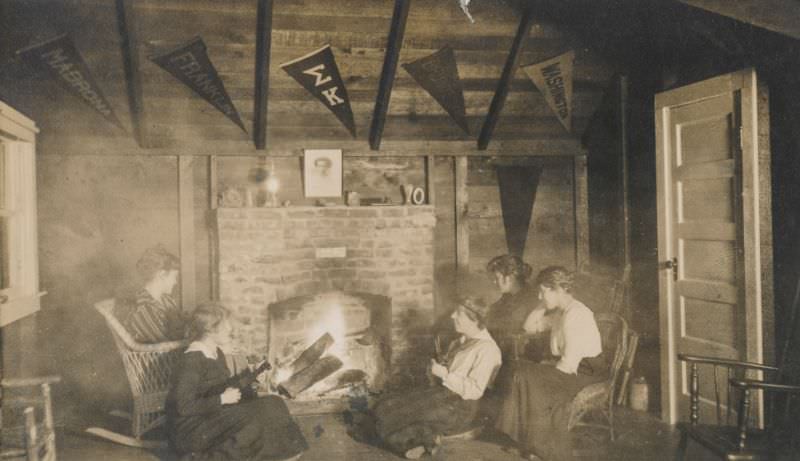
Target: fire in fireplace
<point x="326" y="344"/>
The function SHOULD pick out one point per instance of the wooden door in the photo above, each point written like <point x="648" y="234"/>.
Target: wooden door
<point x="714" y="232"/>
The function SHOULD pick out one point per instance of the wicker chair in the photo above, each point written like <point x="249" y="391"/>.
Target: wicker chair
<point x="148" y="367"/>
<point x="599" y="398"/>
<point x="34" y="440"/>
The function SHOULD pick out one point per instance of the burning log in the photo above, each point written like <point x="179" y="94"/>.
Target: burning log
<point x="312" y="353"/>
<point x="310" y="375"/>
<point x="347" y="378"/>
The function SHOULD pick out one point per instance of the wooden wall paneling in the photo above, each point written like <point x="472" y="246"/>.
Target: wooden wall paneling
<point x="186" y="226"/>
<point x="501" y="93"/>
<point x="581" y="209"/>
<point x="263" y="49"/>
<point x="462" y="209"/>
<point x="393" y="46"/>
<point x="126" y="25"/>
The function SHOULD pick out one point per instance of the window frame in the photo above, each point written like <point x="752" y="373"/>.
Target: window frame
<point x="17" y="136"/>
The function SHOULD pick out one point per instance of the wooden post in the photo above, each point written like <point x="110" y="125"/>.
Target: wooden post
<point x="393" y="46"/>
<point x="263" y="46"/>
<point x="430" y="178"/>
<point x="186" y="225"/>
<point x="504" y="84"/>
<point x="126" y="27"/>
<point x="462" y="208"/>
<point x="213" y="250"/>
<point x="581" y="207"/>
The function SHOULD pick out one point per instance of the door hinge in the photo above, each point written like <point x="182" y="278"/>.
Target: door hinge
<point x="740" y="136"/>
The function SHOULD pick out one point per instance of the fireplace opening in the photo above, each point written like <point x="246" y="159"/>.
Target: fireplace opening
<point x="325" y="346"/>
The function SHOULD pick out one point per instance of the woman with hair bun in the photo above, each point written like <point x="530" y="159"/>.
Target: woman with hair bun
<point x="207" y="422"/>
<point x="517" y="300"/>
<point x="533" y="412"/>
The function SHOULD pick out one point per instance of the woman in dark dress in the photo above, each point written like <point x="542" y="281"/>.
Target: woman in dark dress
<point x="206" y="422"/>
<point x="517" y="299"/>
<point x="534" y="411"/>
<point x="411" y="422"/>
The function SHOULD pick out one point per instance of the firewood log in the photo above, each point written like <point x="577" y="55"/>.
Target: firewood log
<point x="312" y="353"/>
<point x="310" y="375"/>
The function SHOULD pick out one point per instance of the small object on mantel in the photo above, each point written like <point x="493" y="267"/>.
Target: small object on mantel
<point x="286" y="203"/>
<point x="231" y="197"/>
<point x="376" y="201"/>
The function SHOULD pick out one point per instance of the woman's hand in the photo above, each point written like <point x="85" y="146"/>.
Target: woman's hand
<point x="230" y="396"/>
<point x="437" y="369"/>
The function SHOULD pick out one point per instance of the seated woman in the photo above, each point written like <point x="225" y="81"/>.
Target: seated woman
<point x="411" y="422"/>
<point x="517" y="300"/>
<point x="153" y="316"/>
<point x="533" y="412"/>
<point x="205" y="421"/>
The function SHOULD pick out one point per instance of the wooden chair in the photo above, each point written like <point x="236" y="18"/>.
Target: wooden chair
<point x="598" y="399"/>
<point x="34" y="440"/>
<point x="148" y="367"/>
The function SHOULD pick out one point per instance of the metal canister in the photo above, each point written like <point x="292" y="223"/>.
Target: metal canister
<point x="639" y="397"/>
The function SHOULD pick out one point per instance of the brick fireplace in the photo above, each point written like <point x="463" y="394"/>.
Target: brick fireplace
<point x="268" y="256"/>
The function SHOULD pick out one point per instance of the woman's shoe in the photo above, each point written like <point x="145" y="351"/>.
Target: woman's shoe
<point x="415" y="453"/>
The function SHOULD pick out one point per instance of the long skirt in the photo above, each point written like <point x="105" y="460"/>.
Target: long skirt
<point x="413" y="418"/>
<point x="534" y="410"/>
<point x="258" y="429"/>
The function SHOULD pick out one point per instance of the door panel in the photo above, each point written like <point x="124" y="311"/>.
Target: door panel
<point x="707" y="305"/>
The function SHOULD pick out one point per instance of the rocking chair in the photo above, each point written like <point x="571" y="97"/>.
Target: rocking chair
<point x="148" y="367"/>
<point x="35" y="440"/>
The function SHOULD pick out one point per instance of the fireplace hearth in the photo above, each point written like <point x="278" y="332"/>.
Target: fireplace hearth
<point x="286" y="266"/>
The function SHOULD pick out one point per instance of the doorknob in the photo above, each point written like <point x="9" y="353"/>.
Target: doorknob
<point x="671" y="264"/>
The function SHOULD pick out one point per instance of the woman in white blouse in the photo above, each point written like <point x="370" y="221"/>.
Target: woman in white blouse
<point x="534" y="409"/>
<point x="411" y="422"/>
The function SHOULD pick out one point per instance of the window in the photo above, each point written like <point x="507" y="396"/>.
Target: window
<point x="19" y="266"/>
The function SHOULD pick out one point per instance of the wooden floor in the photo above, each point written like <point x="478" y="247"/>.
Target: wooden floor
<point x="640" y="437"/>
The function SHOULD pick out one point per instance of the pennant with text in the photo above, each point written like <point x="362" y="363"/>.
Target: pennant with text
<point x="438" y="75"/>
<point x="60" y="60"/>
<point x="317" y="73"/>
<point x="554" y="79"/>
<point x="189" y="63"/>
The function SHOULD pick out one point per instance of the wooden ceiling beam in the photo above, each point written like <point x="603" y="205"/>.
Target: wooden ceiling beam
<point x="499" y="98"/>
<point x="126" y="26"/>
<point x="393" y="46"/>
<point x="263" y="49"/>
<point x="781" y="16"/>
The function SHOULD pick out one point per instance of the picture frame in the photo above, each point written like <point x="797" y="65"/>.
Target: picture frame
<point x="322" y="172"/>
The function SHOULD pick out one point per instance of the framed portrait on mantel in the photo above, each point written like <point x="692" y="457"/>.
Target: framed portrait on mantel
<point x="322" y="172"/>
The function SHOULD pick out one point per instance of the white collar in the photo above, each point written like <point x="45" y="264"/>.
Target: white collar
<point x="208" y="351"/>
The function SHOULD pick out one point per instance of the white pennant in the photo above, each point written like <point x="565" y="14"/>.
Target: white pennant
<point x="554" y="79"/>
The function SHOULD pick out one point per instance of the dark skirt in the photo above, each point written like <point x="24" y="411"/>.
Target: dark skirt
<point x="258" y="429"/>
<point x="416" y="417"/>
<point x="534" y="409"/>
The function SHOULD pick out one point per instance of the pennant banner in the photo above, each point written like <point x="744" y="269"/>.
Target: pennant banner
<point x="317" y="73"/>
<point x="438" y="75"/>
<point x="517" y="195"/>
<point x="60" y="59"/>
<point x="189" y="63"/>
<point x="554" y="79"/>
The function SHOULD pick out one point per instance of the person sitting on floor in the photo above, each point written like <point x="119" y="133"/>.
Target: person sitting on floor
<point x="412" y="422"/>
<point x="153" y="316"/>
<point x="533" y="412"/>
<point x="205" y="422"/>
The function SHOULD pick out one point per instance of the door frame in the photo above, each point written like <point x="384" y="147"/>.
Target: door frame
<point x="756" y="212"/>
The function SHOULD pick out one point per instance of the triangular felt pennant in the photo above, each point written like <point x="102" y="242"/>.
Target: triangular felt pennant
<point x="438" y="75"/>
<point x="317" y="73"/>
<point x="554" y="79"/>
<point x="189" y="63"/>
<point x="517" y="194"/>
<point x="60" y="60"/>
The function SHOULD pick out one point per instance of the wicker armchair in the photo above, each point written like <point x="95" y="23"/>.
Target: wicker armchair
<point x="148" y="367"/>
<point x="617" y="341"/>
<point x="33" y="440"/>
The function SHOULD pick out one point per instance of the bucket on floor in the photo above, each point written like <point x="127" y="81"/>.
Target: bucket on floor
<point x="639" y="397"/>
